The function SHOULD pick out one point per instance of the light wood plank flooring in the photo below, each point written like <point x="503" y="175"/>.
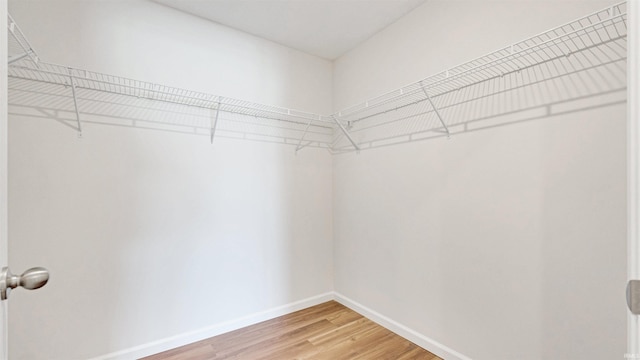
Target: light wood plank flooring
<point x="327" y="331"/>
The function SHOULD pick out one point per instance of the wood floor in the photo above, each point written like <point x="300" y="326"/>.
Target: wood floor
<point x="327" y="331"/>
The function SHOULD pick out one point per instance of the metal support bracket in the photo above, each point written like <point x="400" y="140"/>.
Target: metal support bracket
<point x="214" y="120"/>
<point x="446" y="129"/>
<point x="15" y="31"/>
<point x="346" y="133"/>
<point x="75" y="102"/>
<point x="633" y="296"/>
<point x="17" y="57"/>
<point x="306" y="129"/>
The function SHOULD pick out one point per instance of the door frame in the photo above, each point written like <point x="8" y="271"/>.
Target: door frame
<point x="633" y="168"/>
<point x="3" y="171"/>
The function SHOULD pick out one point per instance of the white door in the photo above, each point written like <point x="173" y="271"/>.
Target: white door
<point x="3" y="168"/>
<point x="633" y="168"/>
<point x="33" y="278"/>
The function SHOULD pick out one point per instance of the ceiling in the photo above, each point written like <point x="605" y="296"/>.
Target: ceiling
<point x="325" y="28"/>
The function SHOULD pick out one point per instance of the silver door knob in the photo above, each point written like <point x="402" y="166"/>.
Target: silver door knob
<point x="31" y="279"/>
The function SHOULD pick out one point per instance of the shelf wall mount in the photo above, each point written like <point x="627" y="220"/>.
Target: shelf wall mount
<point x="214" y="119"/>
<point x="435" y="109"/>
<point x="19" y="46"/>
<point x="346" y="133"/>
<point x="75" y="101"/>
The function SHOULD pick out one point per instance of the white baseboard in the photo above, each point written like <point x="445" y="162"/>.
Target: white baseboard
<point x="213" y="330"/>
<point x="407" y="333"/>
<point x="221" y="328"/>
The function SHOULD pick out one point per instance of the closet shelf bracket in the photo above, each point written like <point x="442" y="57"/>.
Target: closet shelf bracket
<point x="435" y="109"/>
<point x="19" y="43"/>
<point x="214" y="119"/>
<point x="346" y="133"/>
<point x="306" y="129"/>
<point x="15" y="58"/>
<point x="75" y="101"/>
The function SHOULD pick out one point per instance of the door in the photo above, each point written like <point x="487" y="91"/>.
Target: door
<point x="633" y="168"/>
<point x="3" y="169"/>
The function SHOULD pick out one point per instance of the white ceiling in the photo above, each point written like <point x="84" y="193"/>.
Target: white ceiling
<point x="325" y="28"/>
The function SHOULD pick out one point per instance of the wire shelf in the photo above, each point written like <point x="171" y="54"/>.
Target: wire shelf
<point x="582" y="58"/>
<point x="569" y="64"/>
<point x="237" y="118"/>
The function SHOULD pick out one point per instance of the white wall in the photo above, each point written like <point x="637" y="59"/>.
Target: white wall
<point x="506" y="243"/>
<point x="151" y="234"/>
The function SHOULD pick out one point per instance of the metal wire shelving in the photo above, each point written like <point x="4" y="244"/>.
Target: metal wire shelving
<point x="576" y="61"/>
<point x="227" y="116"/>
<point x="99" y="98"/>
<point x="582" y="58"/>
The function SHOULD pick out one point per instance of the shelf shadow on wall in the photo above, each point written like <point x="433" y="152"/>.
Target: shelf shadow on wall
<point x="539" y="92"/>
<point x="49" y="101"/>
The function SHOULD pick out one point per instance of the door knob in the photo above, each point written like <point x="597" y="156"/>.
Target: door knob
<point x="31" y="279"/>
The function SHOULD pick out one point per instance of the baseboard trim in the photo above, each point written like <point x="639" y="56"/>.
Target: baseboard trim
<point x="404" y="331"/>
<point x="213" y="330"/>
<point x="172" y="342"/>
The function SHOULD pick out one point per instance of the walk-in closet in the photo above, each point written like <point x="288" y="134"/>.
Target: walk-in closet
<point x="319" y="179"/>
